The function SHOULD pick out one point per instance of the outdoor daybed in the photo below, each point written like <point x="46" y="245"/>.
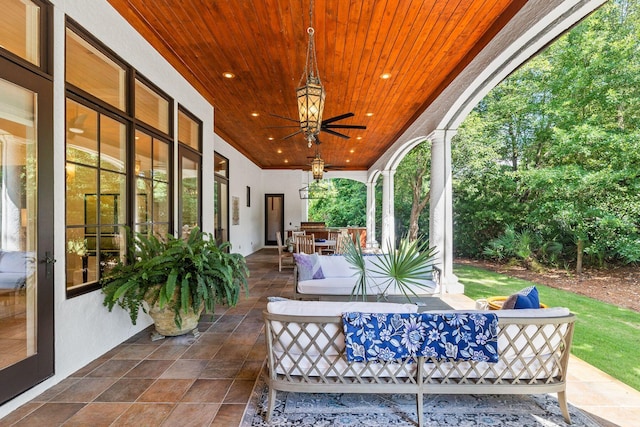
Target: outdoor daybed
<point x="306" y="353"/>
<point x="333" y="275"/>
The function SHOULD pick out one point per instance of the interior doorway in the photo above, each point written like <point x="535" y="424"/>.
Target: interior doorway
<point x="273" y="217"/>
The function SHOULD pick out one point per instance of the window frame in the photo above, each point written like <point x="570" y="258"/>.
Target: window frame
<point x="45" y="39"/>
<point x="186" y="150"/>
<point x="126" y="116"/>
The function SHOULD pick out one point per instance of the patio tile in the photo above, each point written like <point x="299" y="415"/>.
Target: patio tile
<point x="192" y="414"/>
<point x="56" y="390"/>
<point x="201" y="351"/>
<point x="166" y="391"/>
<point x="135" y="351"/>
<point x="145" y="414"/>
<point x="185" y="369"/>
<point x="206" y="390"/>
<point x="113" y="368"/>
<point x="85" y="390"/>
<point x="20" y="413"/>
<point x="149" y="369"/>
<point x="240" y="391"/>
<point x="97" y="414"/>
<point x="229" y="415"/>
<point x="168" y="352"/>
<point x="125" y="390"/>
<point x="50" y="414"/>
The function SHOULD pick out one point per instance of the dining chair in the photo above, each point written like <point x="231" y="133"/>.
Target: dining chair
<point x="282" y="254"/>
<point x="342" y="242"/>
<point x="332" y="236"/>
<point x="305" y="244"/>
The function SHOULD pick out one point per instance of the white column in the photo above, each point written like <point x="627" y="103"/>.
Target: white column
<point x="388" y="214"/>
<point x="441" y="209"/>
<point x="371" y="215"/>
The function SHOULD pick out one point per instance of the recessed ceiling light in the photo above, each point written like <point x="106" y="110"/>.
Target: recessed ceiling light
<point x="385" y="76"/>
<point x="270" y="138"/>
<point x="352" y="151"/>
<point x="369" y="114"/>
<point x="286" y="160"/>
<point x="255" y="114"/>
<point x="358" y="137"/>
<point x="279" y="151"/>
<point x="228" y="75"/>
<point x="348" y="160"/>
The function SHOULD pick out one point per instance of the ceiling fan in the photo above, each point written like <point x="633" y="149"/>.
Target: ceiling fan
<point x="327" y="125"/>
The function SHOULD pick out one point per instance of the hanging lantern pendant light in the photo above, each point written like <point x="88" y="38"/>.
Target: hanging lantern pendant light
<point x="310" y="92"/>
<point x="317" y="167"/>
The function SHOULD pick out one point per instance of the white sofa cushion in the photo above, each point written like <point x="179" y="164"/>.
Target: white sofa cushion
<point x="336" y="266"/>
<point x="336" y="308"/>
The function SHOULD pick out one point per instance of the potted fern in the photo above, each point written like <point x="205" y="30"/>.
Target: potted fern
<point x="174" y="280"/>
<point x="403" y="268"/>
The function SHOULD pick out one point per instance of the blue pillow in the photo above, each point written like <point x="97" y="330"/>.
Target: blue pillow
<point x="526" y="298"/>
<point x="308" y="266"/>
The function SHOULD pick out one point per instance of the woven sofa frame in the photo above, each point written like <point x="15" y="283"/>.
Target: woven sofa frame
<point x="539" y="347"/>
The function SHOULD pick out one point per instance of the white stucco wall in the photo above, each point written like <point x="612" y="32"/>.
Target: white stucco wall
<point x="246" y="237"/>
<point x="84" y="329"/>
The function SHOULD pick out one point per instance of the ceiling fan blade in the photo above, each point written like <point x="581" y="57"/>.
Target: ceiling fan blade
<point x="295" y="133"/>
<point x="344" y="127"/>
<point x="333" y="132"/>
<point x="283" y="117"/>
<point x="336" y="118"/>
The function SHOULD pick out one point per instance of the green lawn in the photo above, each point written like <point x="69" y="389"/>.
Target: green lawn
<point x="605" y="336"/>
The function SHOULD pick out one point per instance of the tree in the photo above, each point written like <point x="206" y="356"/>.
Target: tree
<point x="412" y="188"/>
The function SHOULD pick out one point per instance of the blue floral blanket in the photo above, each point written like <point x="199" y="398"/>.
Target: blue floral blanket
<point x="391" y="336"/>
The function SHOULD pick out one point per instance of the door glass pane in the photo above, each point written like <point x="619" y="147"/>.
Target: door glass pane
<point x="20" y="29"/>
<point x="18" y="178"/>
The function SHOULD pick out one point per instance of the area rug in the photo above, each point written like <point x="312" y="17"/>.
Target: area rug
<point x="379" y="410"/>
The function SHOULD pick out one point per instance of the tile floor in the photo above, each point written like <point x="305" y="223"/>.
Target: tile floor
<point x="207" y="381"/>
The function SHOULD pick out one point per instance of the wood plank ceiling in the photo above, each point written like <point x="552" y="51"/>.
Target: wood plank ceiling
<point x="423" y="45"/>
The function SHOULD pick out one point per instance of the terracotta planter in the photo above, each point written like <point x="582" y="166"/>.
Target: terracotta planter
<point x="164" y="320"/>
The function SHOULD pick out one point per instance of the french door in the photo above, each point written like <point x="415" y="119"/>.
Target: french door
<point x="26" y="224"/>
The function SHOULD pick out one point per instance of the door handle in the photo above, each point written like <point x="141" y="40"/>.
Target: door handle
<point x="49" y="261"/>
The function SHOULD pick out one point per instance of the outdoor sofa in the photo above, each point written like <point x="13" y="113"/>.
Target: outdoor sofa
<point x="333" y="275"/>
<point x="306" y="353"/>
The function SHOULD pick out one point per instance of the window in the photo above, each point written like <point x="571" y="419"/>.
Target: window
<point x="190" y="170"/>
<point x="118" y="161"/>
<point x="23" y="29"/>
<point x="151" y="107"/>
<point x="96" y="193"/>
<point x="152" y="199"/>
<point x="92" y="71"/>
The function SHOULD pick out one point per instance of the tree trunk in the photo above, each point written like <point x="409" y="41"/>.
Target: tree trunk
<point x="580" y="250"/>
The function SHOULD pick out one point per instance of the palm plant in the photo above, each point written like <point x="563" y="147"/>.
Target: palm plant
<point x="404" y="268"/>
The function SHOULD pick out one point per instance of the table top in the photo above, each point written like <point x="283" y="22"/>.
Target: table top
<point x="424" y="303"/>
<point x="326" y="243"/>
